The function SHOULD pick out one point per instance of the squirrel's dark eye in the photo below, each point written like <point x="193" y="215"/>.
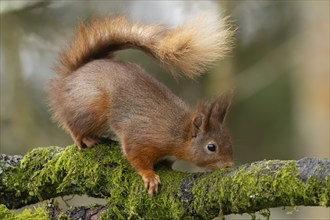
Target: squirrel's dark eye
<point x="211" y="147"/>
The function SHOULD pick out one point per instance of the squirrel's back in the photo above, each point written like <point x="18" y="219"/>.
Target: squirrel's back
<point x="118" y="94"/>
<point x="189" y="48"/>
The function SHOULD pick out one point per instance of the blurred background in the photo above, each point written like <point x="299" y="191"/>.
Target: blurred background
<point x="279" y="70"/>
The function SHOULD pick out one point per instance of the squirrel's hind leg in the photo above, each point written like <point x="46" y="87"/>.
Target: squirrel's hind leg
<point x="86" y="130"/>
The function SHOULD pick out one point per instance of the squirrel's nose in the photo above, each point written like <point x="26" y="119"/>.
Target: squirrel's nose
<point x="229" y="164"/>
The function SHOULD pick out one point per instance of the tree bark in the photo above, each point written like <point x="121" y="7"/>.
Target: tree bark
<point x="103" y="172"/>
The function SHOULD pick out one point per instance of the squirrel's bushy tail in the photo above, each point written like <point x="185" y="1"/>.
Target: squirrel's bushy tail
<point x="189" y="48"/>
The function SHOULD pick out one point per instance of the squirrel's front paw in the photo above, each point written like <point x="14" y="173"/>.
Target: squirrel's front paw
<point x="151" y="182"/>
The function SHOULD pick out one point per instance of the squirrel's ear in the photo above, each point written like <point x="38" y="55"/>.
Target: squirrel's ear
<point x="222" y="106"/>
<point x="197" y="123"/>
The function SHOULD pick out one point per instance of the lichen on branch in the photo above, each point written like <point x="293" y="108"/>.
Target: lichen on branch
<point x="103" y="172"/>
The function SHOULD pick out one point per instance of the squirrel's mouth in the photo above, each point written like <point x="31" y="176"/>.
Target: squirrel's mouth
<point x="218" y="165"/>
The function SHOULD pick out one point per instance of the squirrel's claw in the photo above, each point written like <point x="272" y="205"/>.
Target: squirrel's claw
<point x="90" y="141"/>
<point x="151" y="183"/>
<point x="86" y="141"/>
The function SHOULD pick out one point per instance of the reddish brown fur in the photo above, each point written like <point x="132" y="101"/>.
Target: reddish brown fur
<point x="95" y="96"/>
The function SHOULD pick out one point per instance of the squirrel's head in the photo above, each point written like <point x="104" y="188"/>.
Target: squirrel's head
<point x="210" y="145"/>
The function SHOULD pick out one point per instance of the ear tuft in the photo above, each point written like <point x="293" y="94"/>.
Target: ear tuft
<point x="222" y="105"/>
<point x="197" y="123"/>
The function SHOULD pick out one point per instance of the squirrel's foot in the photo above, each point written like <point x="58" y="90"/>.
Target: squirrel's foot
<point x="151" y="181"/>
<point x="87" y="141"/>
<point x="91" y="141"/>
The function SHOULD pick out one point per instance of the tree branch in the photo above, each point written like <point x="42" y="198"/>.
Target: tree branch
<point x="103" y="172"/>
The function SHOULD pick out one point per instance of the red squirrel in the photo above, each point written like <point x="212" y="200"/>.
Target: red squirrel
<point x="95" y="96"/>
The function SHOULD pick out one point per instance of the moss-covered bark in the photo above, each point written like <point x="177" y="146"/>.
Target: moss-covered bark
<point x="104" y="173"/>
<point x="40" y="213"/>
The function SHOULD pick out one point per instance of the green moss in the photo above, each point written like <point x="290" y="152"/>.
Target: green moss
<point x="5" y="213"/>
<point x="265" y="213"/>
<point x="28" y="214"/>
<point x="24" y="181"/>
<point x="97" y="171"/>
<point x="259" y="186"/>
<point x="103" y="172"/>
<point x="131" y="201"/>
<point x="46" y="173"/>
